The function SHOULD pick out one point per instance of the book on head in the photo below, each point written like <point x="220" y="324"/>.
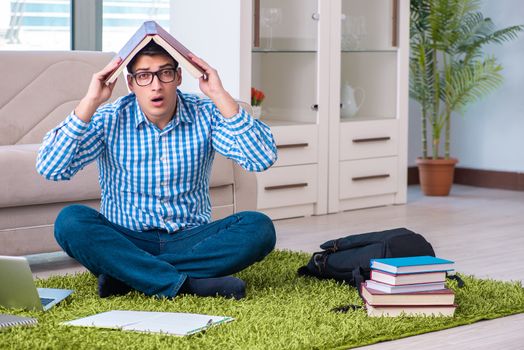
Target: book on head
<point x="13" y="320"/>
<point x="412" y="264"/>
<point x="148" y="31"/>
<point x="175" y="323"/>
<point x="435" y="297"/>
<point x="408" y="278"/>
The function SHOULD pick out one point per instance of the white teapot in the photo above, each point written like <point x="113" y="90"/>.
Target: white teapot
<point x="348" y="101"/>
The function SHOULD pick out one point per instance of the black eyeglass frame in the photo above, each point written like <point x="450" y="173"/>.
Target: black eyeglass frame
<point x="152" y="76"/>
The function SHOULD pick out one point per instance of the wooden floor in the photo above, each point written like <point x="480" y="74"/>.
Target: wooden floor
<point x="482" y="230"/>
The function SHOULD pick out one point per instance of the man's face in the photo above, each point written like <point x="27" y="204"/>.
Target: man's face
<point x="158" y="99"/>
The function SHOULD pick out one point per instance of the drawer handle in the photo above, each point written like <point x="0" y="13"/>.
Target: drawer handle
<point x="281" y="187"/>
<point x="370" y="177"/>
<point x="293" y="145"/>
<point x="372" y="139"/>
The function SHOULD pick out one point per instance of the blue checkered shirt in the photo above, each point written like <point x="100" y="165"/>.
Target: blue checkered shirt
<point x="152" y="178"/>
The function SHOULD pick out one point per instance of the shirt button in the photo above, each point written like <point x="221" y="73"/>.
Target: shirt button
<point x="163" y="159"/>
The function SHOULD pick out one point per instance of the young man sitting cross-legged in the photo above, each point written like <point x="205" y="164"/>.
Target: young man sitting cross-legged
<point x="154" y="149"/>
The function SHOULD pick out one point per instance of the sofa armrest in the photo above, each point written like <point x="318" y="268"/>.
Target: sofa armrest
<point x="20" y="183"/>
<point x="245" y="189"/>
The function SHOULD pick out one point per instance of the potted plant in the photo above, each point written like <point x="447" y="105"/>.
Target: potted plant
<point x="257" y="97"/>
<point x="449" y="71"/>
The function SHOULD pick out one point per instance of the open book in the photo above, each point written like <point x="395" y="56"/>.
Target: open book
<point x="151" y="30"/>
<point x="175" y="323"/>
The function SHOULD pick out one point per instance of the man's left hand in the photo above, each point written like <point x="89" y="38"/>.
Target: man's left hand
<point x="211" y="86"/>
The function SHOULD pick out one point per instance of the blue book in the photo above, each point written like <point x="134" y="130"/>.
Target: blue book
<point x="412" y="264"/>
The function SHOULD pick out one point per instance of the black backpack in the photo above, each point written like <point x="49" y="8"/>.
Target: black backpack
<point x="347" y="259"/>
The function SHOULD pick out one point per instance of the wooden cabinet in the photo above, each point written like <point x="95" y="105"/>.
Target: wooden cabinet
<point x="291" y="187"/>
<point x="368" y="103"/>
<point x="335" y="76"/>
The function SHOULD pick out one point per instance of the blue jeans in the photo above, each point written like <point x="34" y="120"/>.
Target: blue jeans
<point x="156" y="262"/>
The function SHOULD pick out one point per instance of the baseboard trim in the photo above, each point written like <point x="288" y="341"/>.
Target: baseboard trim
<point x="504" y="180"/>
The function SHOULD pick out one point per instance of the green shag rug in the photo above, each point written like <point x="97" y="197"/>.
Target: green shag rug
<point x="282" y="311"/>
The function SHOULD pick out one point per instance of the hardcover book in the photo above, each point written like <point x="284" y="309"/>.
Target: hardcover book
<point x="436" y="297"/>
<point x="151" y="30"/>
<point x="406" y="288"/>
<point x="412" y="264"/>
<point x="410" y="310"/>
<point x="409" y="278"/>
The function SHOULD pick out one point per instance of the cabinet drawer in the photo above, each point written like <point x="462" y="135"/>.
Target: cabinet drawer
<point x="296" y="145"/>
<point x="368" y="139"/>
<point x="292" y="185"/>
<point x="368" y="177"/>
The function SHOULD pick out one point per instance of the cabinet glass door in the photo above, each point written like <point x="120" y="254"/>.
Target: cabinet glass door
<point x="368" y="43"/>
<point x="284" y="59"/>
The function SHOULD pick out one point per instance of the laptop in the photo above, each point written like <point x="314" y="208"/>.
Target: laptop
<point x="18" y="290"/>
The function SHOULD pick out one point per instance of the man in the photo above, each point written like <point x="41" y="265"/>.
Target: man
<point x="154" y="149"/>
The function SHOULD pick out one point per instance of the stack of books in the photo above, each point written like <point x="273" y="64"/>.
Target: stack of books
<point x="411" y="286"/>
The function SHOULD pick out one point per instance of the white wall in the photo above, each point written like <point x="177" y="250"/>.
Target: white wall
<point x="490" y="135"/>
<point x="213" y="35"/>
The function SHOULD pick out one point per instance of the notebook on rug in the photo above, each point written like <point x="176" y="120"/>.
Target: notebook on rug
<point x="13" y="320"/>
<point x="18" y="289"/>
<point x="175" y="323"/>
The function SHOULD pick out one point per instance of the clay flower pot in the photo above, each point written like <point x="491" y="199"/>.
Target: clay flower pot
<point x="436" y="175"/>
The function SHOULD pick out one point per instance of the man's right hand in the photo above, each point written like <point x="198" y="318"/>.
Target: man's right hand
<point x="97" y="93"/>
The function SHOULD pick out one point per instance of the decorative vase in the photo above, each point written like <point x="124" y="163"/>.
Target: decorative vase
<point x="348" y="100"/>
<point x="436" y="175"/>
<point x="257" y="112"/>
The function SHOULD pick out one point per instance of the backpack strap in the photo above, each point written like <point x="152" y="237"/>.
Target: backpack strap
<point x="460" y="281"/>
<point x="358" y="279"/>
<point x="346" y="308"/>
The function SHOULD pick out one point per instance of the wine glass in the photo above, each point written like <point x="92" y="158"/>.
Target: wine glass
<point x="270" y="17"/>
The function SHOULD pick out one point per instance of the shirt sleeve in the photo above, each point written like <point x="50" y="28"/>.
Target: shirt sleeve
<point x="69" y="147"/>
<point x="247" y="141"/>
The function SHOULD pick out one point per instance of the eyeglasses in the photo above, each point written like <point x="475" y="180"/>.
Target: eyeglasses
<point x="165" y="75"/>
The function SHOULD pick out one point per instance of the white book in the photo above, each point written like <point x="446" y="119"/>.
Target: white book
<point x="407" y="288"/>
<point x="409" y="310"/>
<point x="175" y="323"/>
<point x="408" y="278"/>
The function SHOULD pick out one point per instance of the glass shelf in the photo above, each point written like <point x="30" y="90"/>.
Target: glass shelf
<point x="256" y="50"/>
<point x="283" y="122"/>
<point x="369" y="25"/>
<point x="393" y="49"/>
<point x="365" y="118"/>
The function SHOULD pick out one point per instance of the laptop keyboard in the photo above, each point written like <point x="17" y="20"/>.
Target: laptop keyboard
<point x="46" y="301"/>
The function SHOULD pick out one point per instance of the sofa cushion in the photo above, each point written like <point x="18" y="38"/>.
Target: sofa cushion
<point x="20" y="184"/>
<point x="40" y="88"/>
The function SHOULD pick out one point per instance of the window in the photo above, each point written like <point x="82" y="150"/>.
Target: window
<point x="121" y="18"/>
<point x="35" y="25"/>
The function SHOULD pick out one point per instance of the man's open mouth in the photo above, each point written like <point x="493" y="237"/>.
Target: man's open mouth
<point x="157" y="99"/>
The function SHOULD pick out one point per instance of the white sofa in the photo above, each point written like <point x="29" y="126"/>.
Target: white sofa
<point x="38" y="90"/>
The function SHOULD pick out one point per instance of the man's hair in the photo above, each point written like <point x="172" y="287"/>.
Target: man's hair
<point x="151" y="49"/>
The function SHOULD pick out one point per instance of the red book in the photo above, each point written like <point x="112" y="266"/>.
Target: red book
<point x="434" y="297"/>
<point x="151" y="30"/>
